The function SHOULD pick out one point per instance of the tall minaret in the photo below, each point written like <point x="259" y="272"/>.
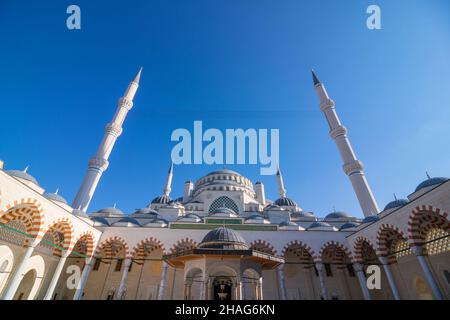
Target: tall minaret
<point x="99" y="163"/>
<point x="281" y="189"/>
<point x="352" y="166"/>
<point x="168" y="186"/>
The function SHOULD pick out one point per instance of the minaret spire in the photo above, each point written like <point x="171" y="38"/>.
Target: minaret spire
<point x="352" y="166"/>
<point x="168" y="186"/>
<point x="281" y="189"/>
<point x="99" y="163"/>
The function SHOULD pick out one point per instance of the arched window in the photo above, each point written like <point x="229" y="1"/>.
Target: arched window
<point x="223" y="202"/>
<point x="437" y="241"/>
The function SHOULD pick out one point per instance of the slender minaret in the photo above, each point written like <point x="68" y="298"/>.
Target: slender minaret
<point x="99" y="163"/>
<point x="353" y="168"/>
<point x="281" y="189"/>
<point x="168" y="186"/>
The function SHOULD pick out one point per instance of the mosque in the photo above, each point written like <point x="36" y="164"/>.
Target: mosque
<point x="222" y="239"/>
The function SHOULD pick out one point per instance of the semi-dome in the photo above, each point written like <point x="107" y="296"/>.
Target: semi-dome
<point x="158" y="222"/>
<point x="348" y="225"/>
<point x="127" y="222"/>
<point x="255" y="217"/>
<point x="431" y="182"/>
<point x="396" y="203"/>
<point x="161" y="200"/>
<point x="55" y="197"/>
<point x="370" y="219"/>
<point x="302" y="214"/>
<point x="191" y="217"/>
<point x="285" y="201"/>
<point x="223" y="238"/>
<point x="22" y="175"/>
<point x="108" y="212"/>
<point x="338" y="215"/>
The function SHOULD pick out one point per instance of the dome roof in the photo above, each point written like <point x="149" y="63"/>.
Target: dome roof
<point x="302" y="214"/>
<point x="191" y="217"/>
<point x="158" y="222"/>
<point x="79" y="213"/>
<point x="431" y="182"/>
<point x="255" y="217"/>
<point x="349" y="225"/>
<point x="100" y="222"/>
<point x="127" y="221"/>
<point x="223" y="238"/>
<point x="55" y="197"/>
<point x="224" y="171"/>
<point x="108" y="212"/>
<point x="161" y="200"/>
<point x="338" y="215"/>
<point x="22" y="175"/>
<point x="223" y="212"/>
<point x="145" y="213"/>
<point x="225" y="179"/>
<point x="396" y="203"/>
<point x="370" y="219"/>
<point x="285" y="201"/>
<point x="319" y="224"/>
<point x="288" y="223"/>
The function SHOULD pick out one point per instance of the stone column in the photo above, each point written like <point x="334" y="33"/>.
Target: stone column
<point x="84" y="277"/>
<point x="162" y="285"/>
<point x="14" y="283"/>
<point x="123" y="282"/>
<point x="390" y="277"/>
<point x="281" y="283"/>
<point x="320" y="270"/>
<point x="260" y="289"/>
<point x="359" y="269"/>
<point x="56" y="275"/>
<point x="203" y="285"/>
<point x="425" y="264"/>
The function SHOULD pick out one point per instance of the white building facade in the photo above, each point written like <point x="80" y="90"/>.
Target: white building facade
<point x="221" y="239"/>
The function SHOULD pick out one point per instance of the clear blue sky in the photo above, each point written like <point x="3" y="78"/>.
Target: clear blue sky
<point x="230" y="63"/>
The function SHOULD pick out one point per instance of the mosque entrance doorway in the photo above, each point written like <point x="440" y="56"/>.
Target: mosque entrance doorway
<point x="222" y="289"/>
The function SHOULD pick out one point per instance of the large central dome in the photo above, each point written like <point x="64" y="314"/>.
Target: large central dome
<point x="223" y="180"/>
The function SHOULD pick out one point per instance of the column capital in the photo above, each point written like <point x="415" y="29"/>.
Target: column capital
<point x="418" y="250"/>
<point x="319" y="266"/>
<point x="359" y="267"/>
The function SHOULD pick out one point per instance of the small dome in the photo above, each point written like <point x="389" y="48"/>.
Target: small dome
<point x="255" y="217"/>
<point x="126" y="222"/>
<point x="431" y="182"/>
<point x="55" y="197"/>
<point x="158" y="222"/>
<point x="191" y="217"/>
<point x="349" y="225"/>
<point x="22" y="175"/>
<point x="100" y="222"/>
<point x="338" y="215"/>
<point x="285" y="201"/>
<point x="145" y="213"/>
<point x="288" y="223"/>
<point x="370" y="219"/>
<point x="227" y="212"/>
<point x="79" y="213"/>
<point x="319" y="224"/>
<point x="161" y="200"/>
<point x="396" y="203"/>
<point x="302" y="214"/>
<point x="223" y="238"/>
<point x="108" y="212"/>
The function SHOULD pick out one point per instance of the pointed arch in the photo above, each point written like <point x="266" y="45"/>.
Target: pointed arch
<point x="111" y="247"/>
<point x="364" y="250"/>
<point x="422" y="220"/>
<point x="263" y="246"/>
<point x="390" y="241"/>
<point x="183" y="245"/>
<point x="335" y="252"/>
<point x="146" y="246"/>
<point x="61" y="231"/>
